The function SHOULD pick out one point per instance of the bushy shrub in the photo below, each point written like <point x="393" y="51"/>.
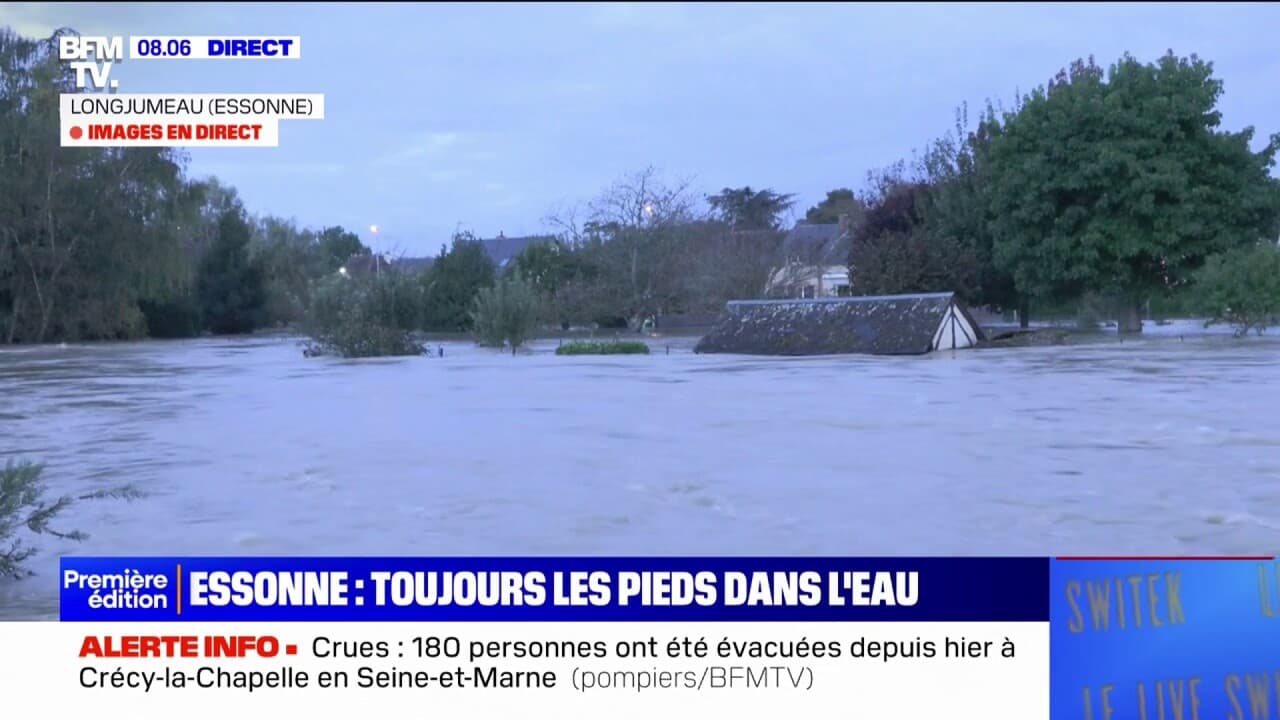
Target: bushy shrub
<point x="23" y="504"/>
<point x="1241" y="288"/>
<point x="603" y="348"/>
<point x="507" y="313"/>
<point x="357" y="317"/>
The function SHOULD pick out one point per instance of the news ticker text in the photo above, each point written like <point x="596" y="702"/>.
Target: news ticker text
<point x="625" y="670"/>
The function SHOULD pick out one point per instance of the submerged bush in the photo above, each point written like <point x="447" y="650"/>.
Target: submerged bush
<point x="507" y="313"/>
<point x="357" y="317"/>
<point x="1241" y="288"/>
<point x="603" y="348"/>
<point x="23" y="505"/>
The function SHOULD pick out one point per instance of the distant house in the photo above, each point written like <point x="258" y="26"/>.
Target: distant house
<point x="364" y="265"/>
<point x="414" y="264"/>
<point x="815" y="261"/>
<point x="503" y="250"/>
<point x="883" y="325"/>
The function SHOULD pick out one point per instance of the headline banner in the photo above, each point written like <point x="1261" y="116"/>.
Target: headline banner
<point x="554" y="589"/>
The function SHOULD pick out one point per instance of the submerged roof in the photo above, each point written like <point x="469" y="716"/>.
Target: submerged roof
<point x="877" y="325"/>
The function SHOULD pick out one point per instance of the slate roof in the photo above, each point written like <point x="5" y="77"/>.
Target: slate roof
<point x="817" y="244"/>
<point x="502" y="250"/>
<point x="876" y="325"/>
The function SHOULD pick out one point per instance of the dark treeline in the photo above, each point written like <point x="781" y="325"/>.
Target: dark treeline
<point x="1112" y="187"/>
<point x="107" y="243"/>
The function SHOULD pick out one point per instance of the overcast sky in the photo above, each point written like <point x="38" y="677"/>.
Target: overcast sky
<point x="489" y="116"/>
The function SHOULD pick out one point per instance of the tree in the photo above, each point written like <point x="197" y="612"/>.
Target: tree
<point x="336" y="246"/>
<point x="724" y="264"/>
<point x="290" y="261"/>
<point x="364" y="315"/>
<point x="507" y="313"/>
<point x="841" y="201"/>
<point x="545" y="262"/>
<point x="86" y="234"/>
<point x="1123" y="183"/>
<point x="24" y="505"/>
<point x="633" y="242"/>
<point x="230" y="283"/>
<point x="955" y="214"/>
<point x="747" y="209"/>
<point x="892" y="251"/>
<point x="1241" y="287"/>
<point x="549" y="265"/>
<point x="174" y="310"/>
<point x="451" y="284"/>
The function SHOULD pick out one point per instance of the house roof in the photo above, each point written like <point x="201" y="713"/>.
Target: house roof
<point x="876" y="325"/>
<point x="414" y="264"/>
<point x="817" y="244"/>
<point x="365" y="263"/>
<point x="502" y="249"/>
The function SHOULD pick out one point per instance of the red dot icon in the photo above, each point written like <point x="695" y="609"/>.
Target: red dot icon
<point x="76" y="132"/>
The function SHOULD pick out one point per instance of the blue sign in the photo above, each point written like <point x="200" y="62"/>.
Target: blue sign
<point x="1166" y="639"/>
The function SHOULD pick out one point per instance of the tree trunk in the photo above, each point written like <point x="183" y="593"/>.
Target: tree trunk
<point x="1130" y="320"/>
<point x="1024" y="314"/>
<point x="13" y="320"/>
<point x="45" y="312"/>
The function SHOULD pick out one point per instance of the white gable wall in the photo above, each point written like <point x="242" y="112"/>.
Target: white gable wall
<point x="955" y="331"/>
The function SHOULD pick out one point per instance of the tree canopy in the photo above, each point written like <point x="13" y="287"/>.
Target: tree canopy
<point x="838" y="202"/>
<point x="453" y="280"/>
<point x="1123" y="182"/>
<point x="747" y="209"/>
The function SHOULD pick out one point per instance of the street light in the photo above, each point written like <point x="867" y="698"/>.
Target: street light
<point x="377" y="261"/>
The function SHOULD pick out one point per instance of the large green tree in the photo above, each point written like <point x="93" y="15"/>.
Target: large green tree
<point x="1122" y="182"/>
<point x="451" y="284"/>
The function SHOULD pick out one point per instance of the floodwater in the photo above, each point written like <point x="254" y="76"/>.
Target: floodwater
<point x="1164" y="445"/>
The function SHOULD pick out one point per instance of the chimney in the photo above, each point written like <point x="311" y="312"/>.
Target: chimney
<point x="844" y="222"/>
